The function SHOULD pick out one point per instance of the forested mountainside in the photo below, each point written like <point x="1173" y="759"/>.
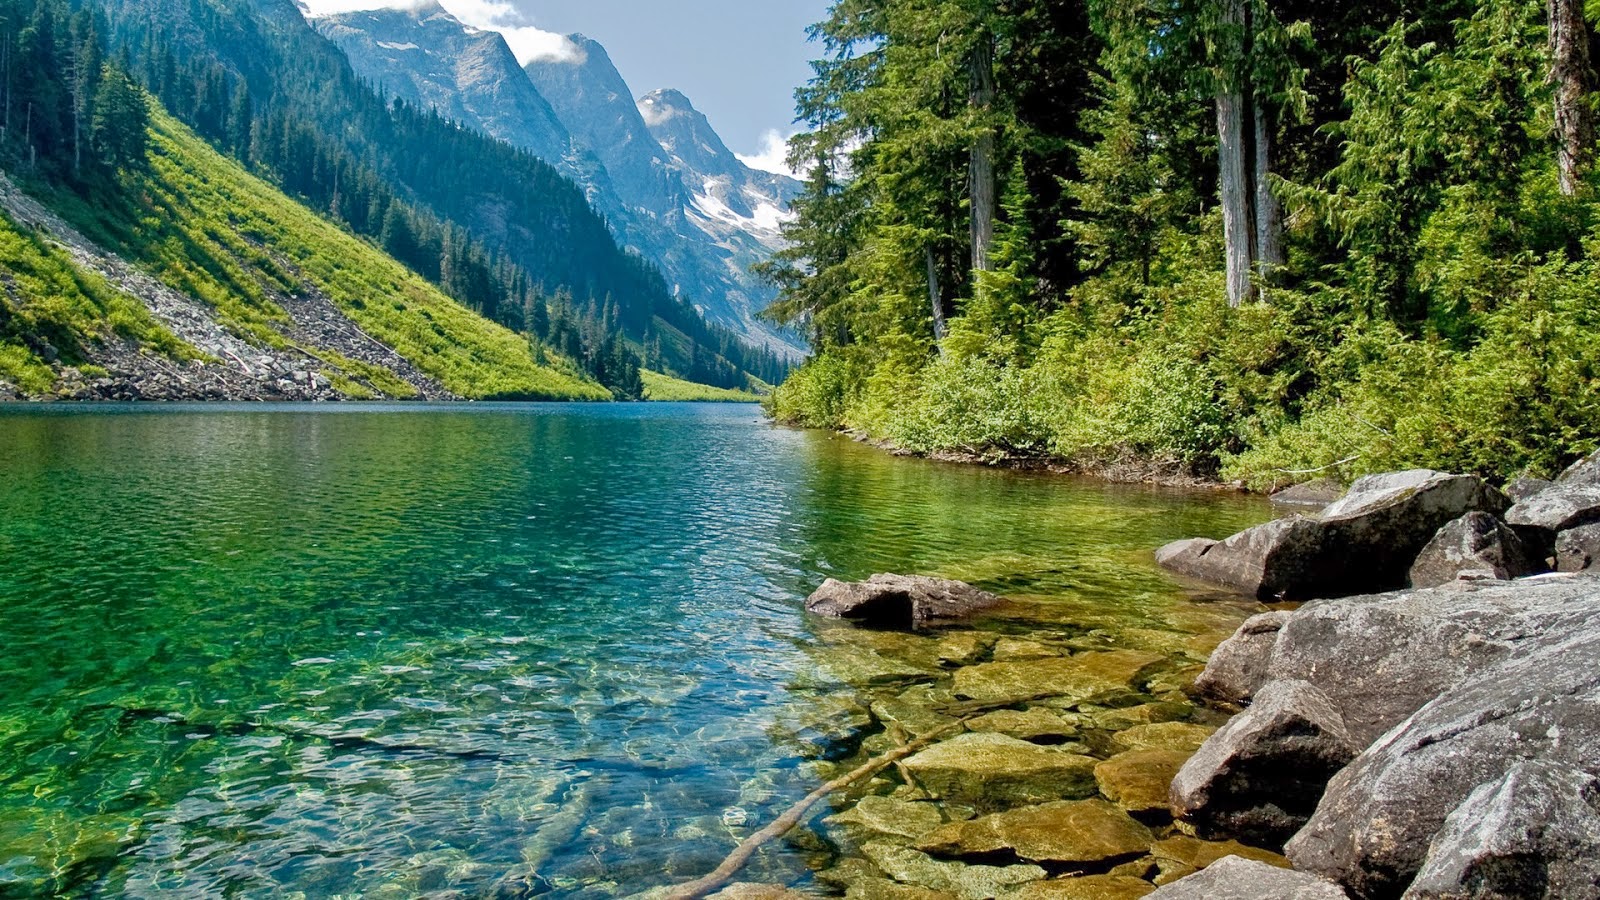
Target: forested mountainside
<point x="691" y="207"/>
<point x="494" y="226"/>
<point x="1266" y="240"/>
<point x="148" y="265"/>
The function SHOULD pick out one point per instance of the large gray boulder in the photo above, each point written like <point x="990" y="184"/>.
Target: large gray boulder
<point x="1527" y="488"/>
<point x="1238" y="668"/>
<point x="1534" y="834"/>
<point x="1385" y="522"/>
<point x="1260" y="777"/>
<point x="1561" y="508"/>
<point x="900" y="601"/>
<point x="1477" y="543"/>
<point x="1584" y="471"/>
<point x="1381" y="658"/>
<point x="1578" y="550"/>
<point x="1379" y="816"/>
<point x="1235" y="878"/>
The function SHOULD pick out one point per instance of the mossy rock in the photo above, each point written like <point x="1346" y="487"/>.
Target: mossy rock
<point x="1087" y="887"/>
<point x="966" y="882"/>
<point x="1180" y="736"/>
<point x="888" y="818"/>
<point x="1086" y="678"/>
<point x="994" y="772"/>
<point x="1140" y="781"/>
<point x="1083" y="832"/>
<point x="1035" y="725"/>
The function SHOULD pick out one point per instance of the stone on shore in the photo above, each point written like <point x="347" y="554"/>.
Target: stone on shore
<point x="1526" y="488"/>
<point x="1312" y="494"/>
<point x="1533" y="834"/>
<point x="1379" y="816"/>
<point x="1477" y="543"/>
<point x="1578" y="550"/>
<point x="1261" y="776"/>
<point x="1085" y="678"/>
<point x="1561" y="508"/>
<point x="1140" y="781"/>
<point x="1239" y="667"/>
<point x="1584" y="471"/>
<point x="994" y="772"/>
<point x="1385" y="521"/>
<point x="900" y="601"/>
<point x="1079" y="832"/>
<point x="1235" y="878"/>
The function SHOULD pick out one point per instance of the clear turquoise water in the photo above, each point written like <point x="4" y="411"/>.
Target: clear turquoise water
<point x="382" y="651"/>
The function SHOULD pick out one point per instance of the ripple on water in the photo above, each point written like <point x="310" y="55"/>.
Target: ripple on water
<point x="394" y="650"/>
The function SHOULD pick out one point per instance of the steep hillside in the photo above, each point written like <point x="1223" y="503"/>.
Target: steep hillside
<point x="197" y="280"/>
<point x="492" y="224"/>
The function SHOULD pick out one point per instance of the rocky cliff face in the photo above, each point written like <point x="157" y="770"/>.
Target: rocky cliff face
<point x="654" y="167"/>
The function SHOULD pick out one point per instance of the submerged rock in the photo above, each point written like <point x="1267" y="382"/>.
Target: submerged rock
<point x="1533" y="834"/>
<point x="1236" y="878"/>
<point x="900" y="601"/>
<point x="1198" y="854"/>
<point x="888" y="817"/>
<point x="1262" y="775"/>
<point x="884" y="889"/>
<point x="1385" y="521"/>
<point x="1164" y="736"/>
<point x="1087" y="887"/>
<point x="992" y="771"/>
<point x="1475" y="543"/>
<point x="1072" y="832"/>
<point x="1035" y="725"/>
<point x="1085" y="678"/>
<point x="914" y="867"/>
<point x="1140" y="781"/>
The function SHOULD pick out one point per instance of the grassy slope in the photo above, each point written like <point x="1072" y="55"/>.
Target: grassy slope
<point x="47" y="298"/>
<point x="665" y="388"/>
<point x="209" y="228"/>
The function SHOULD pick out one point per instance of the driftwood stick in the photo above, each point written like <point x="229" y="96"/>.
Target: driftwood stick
<point x="724" y="874"/>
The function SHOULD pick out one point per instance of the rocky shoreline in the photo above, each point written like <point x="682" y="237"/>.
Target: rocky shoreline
<point x="1429" y="727"/>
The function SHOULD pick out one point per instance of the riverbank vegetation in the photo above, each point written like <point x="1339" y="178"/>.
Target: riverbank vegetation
<point x="1255" y="240"/>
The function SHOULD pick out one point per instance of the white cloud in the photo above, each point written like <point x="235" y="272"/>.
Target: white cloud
<point x="526" y="41"/>
<point x="773" y="155"/>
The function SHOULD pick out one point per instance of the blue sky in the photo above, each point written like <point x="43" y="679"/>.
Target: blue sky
<point x="738" y="60"/>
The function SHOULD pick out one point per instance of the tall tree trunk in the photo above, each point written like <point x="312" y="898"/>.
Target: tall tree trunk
<point x="984" y="189"/>
<point x="1572" y="74"/>
<point x="935" y="296"/>
<point x="1270" y="255"/>
<point x="1238" y="200"/>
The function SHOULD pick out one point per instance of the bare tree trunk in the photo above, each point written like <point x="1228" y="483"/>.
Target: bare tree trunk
<point x="984" y="188"/>
<point x="1572" y="74"/>
<point x="1238" y="218"/>
<point x="1270" y="255"/>
<point x="935" y="296"/>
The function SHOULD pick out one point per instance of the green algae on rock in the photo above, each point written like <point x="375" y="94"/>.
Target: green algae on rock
<point x="993" y="771"/>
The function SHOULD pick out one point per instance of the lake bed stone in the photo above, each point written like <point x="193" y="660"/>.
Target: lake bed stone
<point x="1182" y="736"/>
<point x="1140" y="781"/>
<point x="966" y="882"/>
<point x="994" y="771"/>
<point x="1236" y="878"/>
<point x="891" y="818"/>
<point x="1069" y="832"/>
<point x="1087" y="887"/>
<point x="1036" y="725"/>
<point x="1085" y="678"/>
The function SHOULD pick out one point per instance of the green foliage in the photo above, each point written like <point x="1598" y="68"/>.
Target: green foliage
<point x="666" y="389"/>
<point x="1437" y="308"/>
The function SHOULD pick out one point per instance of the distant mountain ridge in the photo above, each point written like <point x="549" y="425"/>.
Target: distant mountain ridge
<point x="653" y="166"/>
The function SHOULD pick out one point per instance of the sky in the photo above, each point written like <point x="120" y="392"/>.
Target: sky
<point x="739" y="61"/>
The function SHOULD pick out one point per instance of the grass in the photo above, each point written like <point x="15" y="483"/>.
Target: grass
<point x="47" y="300"/>
<point x="205" y="226"/>
<point x="665" y="388"/>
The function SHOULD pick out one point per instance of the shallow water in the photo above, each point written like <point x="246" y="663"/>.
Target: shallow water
<point x="381" y="651"/>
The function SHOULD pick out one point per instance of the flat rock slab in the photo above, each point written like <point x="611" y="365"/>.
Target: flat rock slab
<point x="993" y="771"/>
<point x="1181" y="736"/>
<point x="1087" y="887"/>
<point x="1085" y="678"/>
<point x="913" y="867"/>
<point x="1578" y="550"/>
<point x="1198" y="854"/>
<point x="1561" y="508"/>
<point x="1236" y="878"/>
<point x="1035" y="725"/>
<point x="1140" y="781"/>
<point x="1074" y="832"/>
<point x="900" y="601"/>
<point x="884" y="889"/>
<point x="892" y="818"/>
